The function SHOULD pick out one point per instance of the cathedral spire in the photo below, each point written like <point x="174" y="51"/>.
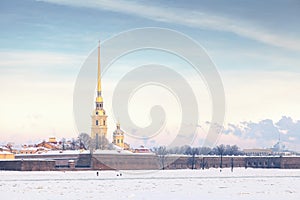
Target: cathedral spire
<point x="99" y="73"/>
<point x="99" y="100"/>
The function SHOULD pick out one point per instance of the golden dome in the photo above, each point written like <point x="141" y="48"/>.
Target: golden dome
<point x="99" y="99"/>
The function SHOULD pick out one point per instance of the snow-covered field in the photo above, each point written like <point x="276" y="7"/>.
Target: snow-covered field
<point x="169" y="184"/>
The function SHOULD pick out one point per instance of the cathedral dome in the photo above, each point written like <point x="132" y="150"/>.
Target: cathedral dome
<point x="118" y="131"/>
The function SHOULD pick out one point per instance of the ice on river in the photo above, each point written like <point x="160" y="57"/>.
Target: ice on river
<point x="168" y="184"/>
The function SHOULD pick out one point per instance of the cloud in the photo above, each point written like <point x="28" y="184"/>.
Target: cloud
<point x="289" y="128"/>
<point x="266" y="133"/>
<point x="198" y="19"/>
<point x="26" y="62"/>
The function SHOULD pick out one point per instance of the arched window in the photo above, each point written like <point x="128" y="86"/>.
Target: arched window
<point x="97" y="122"/>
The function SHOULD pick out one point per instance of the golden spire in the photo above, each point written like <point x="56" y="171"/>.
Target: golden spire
<point x="99" y="72"/>
<point x="99" y="100"/>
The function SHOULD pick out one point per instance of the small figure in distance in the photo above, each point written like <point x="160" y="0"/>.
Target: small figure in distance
<point x="119" y="173"/>
<point x="97" y="173"/>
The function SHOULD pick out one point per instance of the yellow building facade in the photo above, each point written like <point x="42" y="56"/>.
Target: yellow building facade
<point x="6" y="155"/>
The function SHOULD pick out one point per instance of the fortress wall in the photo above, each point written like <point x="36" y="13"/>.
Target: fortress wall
<point x="38" y="165"/>
<point x="206" y="162"/>
<point x="125" y="162"/>
<point x="61" y="160"/>
<point x="27" y="165"/>
<point x="143" y="162"/>
<point x="263" y="162"/>
<point x="13" y="165"/>
<point x="147" y="162"/>
<point x="290" y="162"/>
<point x="84" y="161"/>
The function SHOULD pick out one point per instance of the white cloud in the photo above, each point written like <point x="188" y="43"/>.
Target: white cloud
<point x="264" y="133"/>
<point x="199" y="19"/>
<point x="31" y="61"/>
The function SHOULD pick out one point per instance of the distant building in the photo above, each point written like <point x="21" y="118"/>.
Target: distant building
<point x="5" y="153"/>
<point x="258" y="152"/>
<point x="48" y="145"/>
<point x="28" y="150"/>
<point x="4" y="148"/>
<point x="142" y="149"/>
<point x="9" y="148"/>
<point x="52" y="140"/>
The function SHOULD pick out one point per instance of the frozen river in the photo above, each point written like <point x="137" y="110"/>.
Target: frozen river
<point x="170" y="184"/>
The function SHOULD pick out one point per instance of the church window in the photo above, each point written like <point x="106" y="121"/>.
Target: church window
<point x="118" y="141"/>
<point x="97" y="122"/>
<point x="104" y="122"/>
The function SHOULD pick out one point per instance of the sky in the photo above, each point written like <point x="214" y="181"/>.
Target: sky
<point x="255" y="46"/>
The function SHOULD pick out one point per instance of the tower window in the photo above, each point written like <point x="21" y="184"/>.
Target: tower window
<point x="118" y="141"/>
<point x="97" y="122"/>
<point x="104" y="122"/>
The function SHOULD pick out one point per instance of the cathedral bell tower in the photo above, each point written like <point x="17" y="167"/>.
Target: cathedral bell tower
<point x="99" y="125"/>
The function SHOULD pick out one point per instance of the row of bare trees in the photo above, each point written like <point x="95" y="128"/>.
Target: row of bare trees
<point x="220" y="150"/>
<point x="89" y="143"/>
<point x="84" y="141"/>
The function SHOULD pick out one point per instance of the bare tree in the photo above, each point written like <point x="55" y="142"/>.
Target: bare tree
<point x="100" y="142"/>
<point x="220" y="151"/>
<point x="161" y="152"/>
<point x="204" y="150"/>
<point x="203" y="163"/>
<point x="192" y="160"/>
<point x="84" y="140"/>
<point x="73" y="144"/>
<point x="10" y="147"/>
<point x="63" y="143"/>
<point x="235" y="150"/>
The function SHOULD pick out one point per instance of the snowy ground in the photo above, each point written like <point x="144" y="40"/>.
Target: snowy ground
<point x="170" y="184"/>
